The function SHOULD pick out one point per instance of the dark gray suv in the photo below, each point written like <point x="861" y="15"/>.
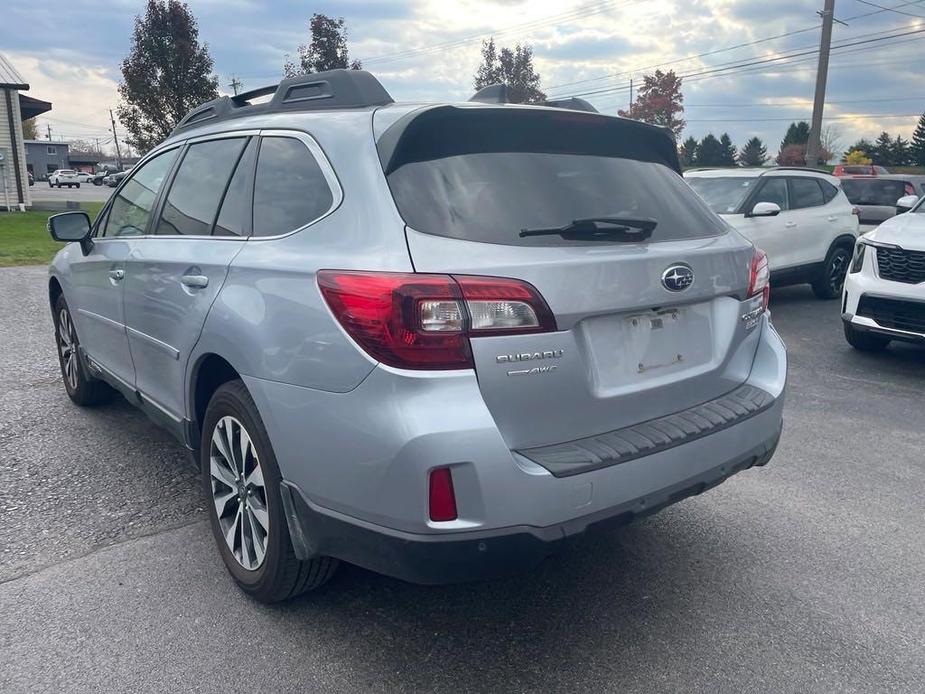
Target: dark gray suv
<point x="434" y="340"/>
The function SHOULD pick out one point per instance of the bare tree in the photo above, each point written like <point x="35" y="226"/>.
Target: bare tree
<point x="831" y="138"/>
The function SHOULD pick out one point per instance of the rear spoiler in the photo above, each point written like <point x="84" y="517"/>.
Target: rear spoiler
<point x="445" y="131"/>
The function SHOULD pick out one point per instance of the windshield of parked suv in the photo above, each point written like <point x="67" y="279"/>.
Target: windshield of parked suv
<point x="723" y="195"/>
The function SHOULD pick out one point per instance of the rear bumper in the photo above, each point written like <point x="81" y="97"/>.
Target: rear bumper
<point x="476" y="555"/>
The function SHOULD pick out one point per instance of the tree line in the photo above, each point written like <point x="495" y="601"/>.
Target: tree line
<point x="168" y="72"/>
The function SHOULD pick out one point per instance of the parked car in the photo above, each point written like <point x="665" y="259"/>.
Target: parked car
<point x="859" y="170"/>
<point x="419" y="339"/>
<point x="885" y="289"/>
<point x="112" y="180"/>
<point x="83" y="176"/>
<point x="799" y="217"/>
<point x="875" y="197"/>
<point x="64" y="177"/>
<point x="97" y="178"/>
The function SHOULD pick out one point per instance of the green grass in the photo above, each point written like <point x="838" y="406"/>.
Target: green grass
<point x="24" y="239"/>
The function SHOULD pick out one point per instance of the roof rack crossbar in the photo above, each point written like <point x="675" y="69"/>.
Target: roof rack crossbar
<point x="333" y="89"/>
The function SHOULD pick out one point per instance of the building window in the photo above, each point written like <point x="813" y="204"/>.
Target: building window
<point x="52" y="150"/>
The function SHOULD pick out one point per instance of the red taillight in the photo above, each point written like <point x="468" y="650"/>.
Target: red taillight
<point x="759" y="281"/>
<point x="417" y="321"/>
<point x="442" y="498"/>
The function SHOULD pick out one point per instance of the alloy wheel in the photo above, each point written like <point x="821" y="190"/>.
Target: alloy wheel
<point x="239" y="493"/>
<point x="838" y="268"/>
<point x="67" y="347"/>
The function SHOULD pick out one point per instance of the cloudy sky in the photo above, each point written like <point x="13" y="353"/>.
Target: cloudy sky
<point x="749" y="64"/>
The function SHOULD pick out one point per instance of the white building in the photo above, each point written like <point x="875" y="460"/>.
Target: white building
<point x="14" y="108"/>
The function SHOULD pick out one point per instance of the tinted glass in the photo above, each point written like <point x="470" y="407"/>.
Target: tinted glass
<point x="290" y="190"/>
<point x="197" y="189"/>
<point x="131" y="208"/>
<point x="774" y="190"/>
<point x="873" y="191"/>
<point x="234" y="217"/>
<point x="491" y="197"/>
<point x="723" y="195"/>
<point x="828" y="191"/>
<point x="805" y="192"/>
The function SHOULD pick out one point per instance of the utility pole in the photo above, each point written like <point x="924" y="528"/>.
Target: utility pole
<point x="822" y="71"/>
<point x="631" y="97"/>
<point x="116" y="139"/>
<point x="235" y="84"/>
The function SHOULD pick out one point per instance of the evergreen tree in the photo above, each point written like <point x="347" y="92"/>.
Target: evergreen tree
<point x="688" y="152"/>
<point x="883" y="150"/>
<point x="729" y="150"/>
<point x="900" y="151"/>
<point x="917" y="146"/>
<point x="709" y="152"/>
<point x="797" y="134"/>
<point x="754" y="153"/>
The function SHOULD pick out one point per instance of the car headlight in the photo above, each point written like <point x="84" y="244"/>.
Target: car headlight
<point x="858" y="261"/>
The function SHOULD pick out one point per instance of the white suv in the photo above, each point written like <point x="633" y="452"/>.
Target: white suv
<point x="799" y="217"/>
<point x="64" y="177"/>
<point x="885" y="289"/>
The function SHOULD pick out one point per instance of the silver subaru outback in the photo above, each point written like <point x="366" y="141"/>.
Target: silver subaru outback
<point x="434" y="340"/>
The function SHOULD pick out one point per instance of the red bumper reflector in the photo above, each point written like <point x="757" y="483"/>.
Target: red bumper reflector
<point x="442" y="496"/>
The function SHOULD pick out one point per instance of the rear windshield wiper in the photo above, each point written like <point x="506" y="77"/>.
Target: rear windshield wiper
<point x="587" y="228"/>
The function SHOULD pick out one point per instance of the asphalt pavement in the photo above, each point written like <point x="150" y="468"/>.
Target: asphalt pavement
<point x="805" y="575"/>
<point x="42" y="192"/>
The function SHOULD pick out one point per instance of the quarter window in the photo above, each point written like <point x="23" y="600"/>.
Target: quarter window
<point x="234" y="217"/>
<point x="290" y="190"/>
<point x="828" y="191"/>
<point x="805" y="192"/>
<point x="131" y="208"/>
<point x="196" y="191"/>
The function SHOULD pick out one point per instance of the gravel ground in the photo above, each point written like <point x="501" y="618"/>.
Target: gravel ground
<point x="805" y="575"/>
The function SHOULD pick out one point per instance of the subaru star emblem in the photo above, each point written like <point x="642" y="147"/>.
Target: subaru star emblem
<point x="677" y="278"/>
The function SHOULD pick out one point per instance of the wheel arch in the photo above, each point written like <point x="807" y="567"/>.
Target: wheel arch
<point x="842" y="241"/>
<point x="54" y="291"/>
<point x="209" y="372"/>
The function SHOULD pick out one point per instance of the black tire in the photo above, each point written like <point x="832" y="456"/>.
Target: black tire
<point x="50" y="185"/>
<point x="78" y="185"/>
<point x="831" y="279"/>
<point x="280" y="575"/>
<point x="81" y="387"/>
<point x="865" y="341"/>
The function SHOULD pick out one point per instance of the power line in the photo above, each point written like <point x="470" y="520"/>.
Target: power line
<point x="726" y="69"/>
<point x="847" y="116"/>
<point x="723" y="50"/>
<point x="892" y="9"/>
<point x="828" y="101"/>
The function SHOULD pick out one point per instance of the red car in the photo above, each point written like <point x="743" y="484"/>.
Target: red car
<point x="858" y="169"/>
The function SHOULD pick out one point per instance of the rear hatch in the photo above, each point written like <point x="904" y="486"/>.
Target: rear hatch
<point x="627" y="345"/>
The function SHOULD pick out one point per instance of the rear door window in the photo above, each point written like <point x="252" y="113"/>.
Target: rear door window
<point x="290" y="190"/>
<point x="805" y="192"/>
<point x="197" y="189"/>
<point x="828" y="191"/>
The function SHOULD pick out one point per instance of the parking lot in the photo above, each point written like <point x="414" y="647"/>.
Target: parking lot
<point x="805" y="575"/>
<point x="87" y="192"/>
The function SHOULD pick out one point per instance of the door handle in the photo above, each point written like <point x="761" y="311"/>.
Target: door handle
<point x="117" y="274"/>
<point x="195" y="281"/>
<point x="790" y="225"/>
<point x="833" y="218"/>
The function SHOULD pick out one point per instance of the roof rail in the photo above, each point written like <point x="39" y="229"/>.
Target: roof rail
<point x="334" y="89"/>
<point x="500" y="94"/>
<point x="573" y="103"/>
<point x="798" y="168"/>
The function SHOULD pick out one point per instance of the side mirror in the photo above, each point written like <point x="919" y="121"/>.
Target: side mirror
<point x="906" y="203"/>
<point x="71" y="226"/>
<point x="764" y="209"/>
